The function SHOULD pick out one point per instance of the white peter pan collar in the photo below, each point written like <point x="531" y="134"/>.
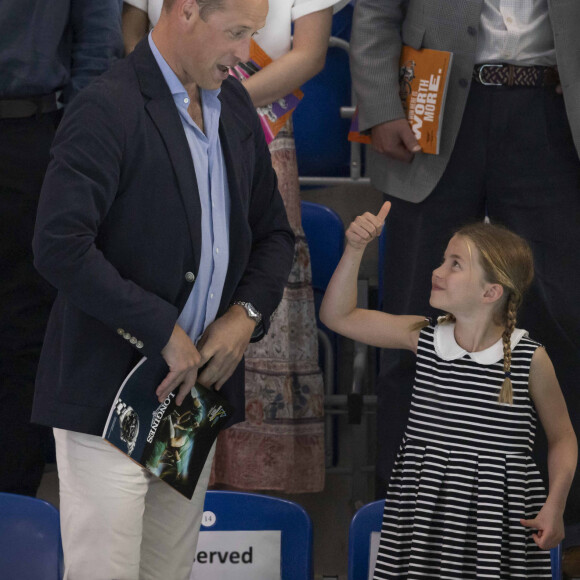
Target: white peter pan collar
<point x="447" y="348"/>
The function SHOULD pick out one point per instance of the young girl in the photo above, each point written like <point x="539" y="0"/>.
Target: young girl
<point x="465" y="498"/>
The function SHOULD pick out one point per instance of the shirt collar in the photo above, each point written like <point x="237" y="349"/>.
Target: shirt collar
<point x="447" y="348"/>
<point x="175" y="85"/>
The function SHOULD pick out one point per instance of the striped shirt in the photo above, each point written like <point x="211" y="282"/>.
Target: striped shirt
<point x="455" y="400"/>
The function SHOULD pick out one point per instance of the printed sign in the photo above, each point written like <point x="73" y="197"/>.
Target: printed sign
<point x="239" y="555"/>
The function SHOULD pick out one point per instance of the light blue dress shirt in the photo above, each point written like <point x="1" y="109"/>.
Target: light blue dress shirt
<point x="208" y="160"/>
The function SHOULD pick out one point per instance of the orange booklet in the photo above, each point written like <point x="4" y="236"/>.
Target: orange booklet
<point x="273" y="116"/>
<point x="423" y="80"/>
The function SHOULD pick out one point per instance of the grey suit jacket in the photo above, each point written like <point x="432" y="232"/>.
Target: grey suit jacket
<point x="379" y="29"/>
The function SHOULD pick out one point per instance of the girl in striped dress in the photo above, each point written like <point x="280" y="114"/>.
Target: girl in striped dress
<point x="465" y="498"/>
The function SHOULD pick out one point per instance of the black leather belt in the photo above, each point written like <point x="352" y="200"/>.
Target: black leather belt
<point x="511" y="75"/>
<point x="27" y="107"/>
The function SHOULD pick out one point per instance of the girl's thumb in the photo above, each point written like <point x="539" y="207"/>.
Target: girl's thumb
<point x="384" y="211"/>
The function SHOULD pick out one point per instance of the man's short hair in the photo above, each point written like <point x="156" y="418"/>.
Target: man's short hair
<point x="206" y="7"/>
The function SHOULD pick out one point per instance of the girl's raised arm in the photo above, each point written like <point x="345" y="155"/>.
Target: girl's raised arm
<point x="339" y="311"/>
<point x="562" y="450"/>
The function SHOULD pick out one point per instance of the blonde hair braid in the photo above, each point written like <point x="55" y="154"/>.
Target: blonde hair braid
<point x="506" y="393"/>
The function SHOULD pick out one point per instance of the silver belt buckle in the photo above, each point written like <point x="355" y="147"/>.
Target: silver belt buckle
<point x="485" y="83"/>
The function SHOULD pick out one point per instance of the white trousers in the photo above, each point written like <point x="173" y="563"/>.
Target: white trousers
<point x="119" y="522"/>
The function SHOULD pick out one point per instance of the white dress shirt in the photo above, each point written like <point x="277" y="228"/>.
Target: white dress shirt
<point x="516" y="32"/>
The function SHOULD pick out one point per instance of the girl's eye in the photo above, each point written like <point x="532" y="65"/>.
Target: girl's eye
<point x="455" y="264"/>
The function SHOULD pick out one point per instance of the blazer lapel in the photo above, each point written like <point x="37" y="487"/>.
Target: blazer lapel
<point x="161" y="107"/>
<point x="233" y="132"/>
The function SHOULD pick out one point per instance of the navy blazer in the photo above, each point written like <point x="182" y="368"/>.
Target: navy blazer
<point x="118" y="233"/>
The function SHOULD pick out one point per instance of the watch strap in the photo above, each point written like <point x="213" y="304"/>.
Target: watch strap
<point x="250" y="309"/>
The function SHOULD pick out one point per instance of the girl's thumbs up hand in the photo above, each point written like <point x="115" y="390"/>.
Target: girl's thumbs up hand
<point x="366" y="227"/>
<point x="384" y="212"/>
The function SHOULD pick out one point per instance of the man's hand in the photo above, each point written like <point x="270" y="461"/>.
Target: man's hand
<point x="223" y="344"/>
<point x="395" y="139"/>
<point x="183" y="361"/>
<point x="550" y="525"/>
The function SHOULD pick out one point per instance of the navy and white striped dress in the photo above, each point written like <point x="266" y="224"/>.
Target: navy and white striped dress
<point x="464" y="476"/>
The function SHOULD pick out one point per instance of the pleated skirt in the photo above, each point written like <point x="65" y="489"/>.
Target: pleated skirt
<point x="456" y="515"/>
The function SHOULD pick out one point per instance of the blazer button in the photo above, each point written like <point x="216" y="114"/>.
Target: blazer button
<point x="139" y="344"/>
<point x="133" y="340"/>
<point x="190" y="276"/>
<point x="463" y="83"/>
<point x="126" y="336"/>
<point x="120" y="331"/>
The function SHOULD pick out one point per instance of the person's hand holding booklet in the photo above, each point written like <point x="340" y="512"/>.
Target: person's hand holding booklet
<point x="170" y="441"/>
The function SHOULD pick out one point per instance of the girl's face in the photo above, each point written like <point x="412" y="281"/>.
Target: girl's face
<point x="458" y="285"/>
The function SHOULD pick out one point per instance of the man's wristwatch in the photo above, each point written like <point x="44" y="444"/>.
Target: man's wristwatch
<point x="128" y="424"/>
<point x="250" y="311"/>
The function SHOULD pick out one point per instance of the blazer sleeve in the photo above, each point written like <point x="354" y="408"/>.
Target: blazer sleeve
<point x="272" y="251"/>
<point x="375" y="50"/>
<point x="80" y="187"/>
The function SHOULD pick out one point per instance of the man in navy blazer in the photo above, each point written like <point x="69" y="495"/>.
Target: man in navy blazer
<point x="128" y="224"/>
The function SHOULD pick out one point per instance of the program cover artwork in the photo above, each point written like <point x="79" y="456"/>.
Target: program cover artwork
<point x="275" y="115"/>
<point x="171" y="442"/>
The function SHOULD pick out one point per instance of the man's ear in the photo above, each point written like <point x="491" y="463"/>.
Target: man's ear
<point x="189" y="8"/>
<point x="492" y="293"/>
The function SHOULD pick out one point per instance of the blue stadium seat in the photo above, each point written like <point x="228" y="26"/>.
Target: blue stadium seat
<point x="321" y="136"/>
<point x="342" y="22"/>
<point x="556" y="556"/>
<point x="30" y="545"/>
<point x="237" y="511"/>
<point x="367" y="520"/>
<point x="320" y="133"/>
<point x="324" y="232"/>
<point x="325" y="236"/>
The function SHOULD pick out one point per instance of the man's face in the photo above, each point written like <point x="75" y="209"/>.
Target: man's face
<point x="211" y="46"/>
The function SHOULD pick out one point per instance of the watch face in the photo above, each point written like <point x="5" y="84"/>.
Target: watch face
<point x="130" y="427"/>
<point x="129" y="424"/>
<point x="252" y="312"/>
